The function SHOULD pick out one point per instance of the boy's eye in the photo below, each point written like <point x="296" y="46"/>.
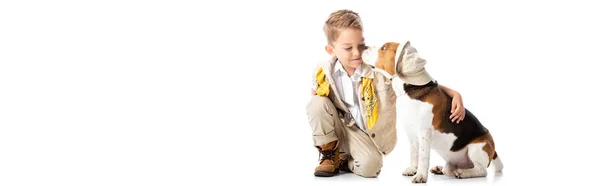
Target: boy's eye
<point x="360" y="47"/>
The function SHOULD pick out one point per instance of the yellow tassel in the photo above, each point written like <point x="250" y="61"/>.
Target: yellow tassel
<point x="323" y="85"/>
<point x="371" y="102"/>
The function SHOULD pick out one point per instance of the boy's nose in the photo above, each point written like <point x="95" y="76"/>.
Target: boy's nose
<point x="355" y="52"/>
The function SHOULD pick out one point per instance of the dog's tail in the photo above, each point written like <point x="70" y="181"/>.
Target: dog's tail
<point x="497" y="162"/>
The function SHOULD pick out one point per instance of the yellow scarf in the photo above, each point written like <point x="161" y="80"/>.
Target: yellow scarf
<point x="368" y="92"/>
<point x="371" y="102"/>
<point x="323" y="85"/>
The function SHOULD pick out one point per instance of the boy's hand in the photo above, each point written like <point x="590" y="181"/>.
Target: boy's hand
<point x="458" y="110"/>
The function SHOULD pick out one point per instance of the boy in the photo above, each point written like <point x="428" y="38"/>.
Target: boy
<point x="352" y="111"/>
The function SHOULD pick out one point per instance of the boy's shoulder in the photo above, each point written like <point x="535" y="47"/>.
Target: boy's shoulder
<point x="323" y="64"/>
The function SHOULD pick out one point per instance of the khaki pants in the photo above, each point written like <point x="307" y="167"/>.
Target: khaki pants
<point x="364" y="160"/>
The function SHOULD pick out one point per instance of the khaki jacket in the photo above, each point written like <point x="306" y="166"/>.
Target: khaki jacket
<point x="377" y="102"/>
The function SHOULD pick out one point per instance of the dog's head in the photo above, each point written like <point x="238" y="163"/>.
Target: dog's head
<point x="398" y="59"/>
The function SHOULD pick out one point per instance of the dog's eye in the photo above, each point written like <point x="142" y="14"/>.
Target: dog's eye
<point x="383" y="47"/>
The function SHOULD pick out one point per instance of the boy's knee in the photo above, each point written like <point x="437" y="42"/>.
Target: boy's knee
<point x="319" y="105"/>
<point x="369" y="167"/>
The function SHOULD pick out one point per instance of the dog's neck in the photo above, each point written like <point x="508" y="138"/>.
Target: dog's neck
<point x="419" y="91"/>
<point x="410" y="87"/>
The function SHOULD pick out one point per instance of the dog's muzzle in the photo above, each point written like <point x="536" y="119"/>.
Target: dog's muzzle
<point x="370" y="55"/>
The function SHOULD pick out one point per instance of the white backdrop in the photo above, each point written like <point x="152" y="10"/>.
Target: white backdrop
<point x="185" y="92"/>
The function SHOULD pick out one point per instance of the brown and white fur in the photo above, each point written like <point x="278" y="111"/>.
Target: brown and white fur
<point x="467" y="147"/>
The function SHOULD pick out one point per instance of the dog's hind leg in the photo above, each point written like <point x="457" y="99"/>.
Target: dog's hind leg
<point x="447" y="169"/>
<point x="437" y="170"/>
<point x="480" y="159"/>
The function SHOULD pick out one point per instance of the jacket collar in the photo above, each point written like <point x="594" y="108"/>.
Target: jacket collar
<point x="365" y="69"/>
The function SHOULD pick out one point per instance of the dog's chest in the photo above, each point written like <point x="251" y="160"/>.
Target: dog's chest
<point x="417" y="117"/>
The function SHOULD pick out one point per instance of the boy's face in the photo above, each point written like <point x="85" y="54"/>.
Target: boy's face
<point x="348" y="48"/>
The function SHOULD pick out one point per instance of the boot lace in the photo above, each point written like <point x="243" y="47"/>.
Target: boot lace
<point x="326" y="155"/>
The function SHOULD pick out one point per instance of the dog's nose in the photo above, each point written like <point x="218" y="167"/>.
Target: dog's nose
<point x="367" y="52"/>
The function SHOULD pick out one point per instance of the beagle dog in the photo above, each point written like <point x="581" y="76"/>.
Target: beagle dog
<point x="467" y="147"/>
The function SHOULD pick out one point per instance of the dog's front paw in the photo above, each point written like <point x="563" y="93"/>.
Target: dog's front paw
<point x="410" y="171"/>
<point x="437" y="170"/>
<point x="420" y="178"/>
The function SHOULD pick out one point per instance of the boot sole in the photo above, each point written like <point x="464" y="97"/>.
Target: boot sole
<point x="326" y="174"/>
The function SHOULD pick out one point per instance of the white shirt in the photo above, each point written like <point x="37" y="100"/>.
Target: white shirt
<point x="347" y="88"/>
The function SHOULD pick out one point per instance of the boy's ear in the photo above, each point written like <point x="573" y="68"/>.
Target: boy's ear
<point x="329" y="49"/>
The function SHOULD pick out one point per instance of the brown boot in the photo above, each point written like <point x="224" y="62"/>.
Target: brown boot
<point x="344" y="163"/>
<point x="330" y="160"/>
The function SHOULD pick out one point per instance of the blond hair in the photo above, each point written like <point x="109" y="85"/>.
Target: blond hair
<point x="339" y="20"/>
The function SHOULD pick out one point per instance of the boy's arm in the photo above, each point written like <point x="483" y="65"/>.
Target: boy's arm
<point x="449" y="91"/>
<point x="458" y="109"/>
